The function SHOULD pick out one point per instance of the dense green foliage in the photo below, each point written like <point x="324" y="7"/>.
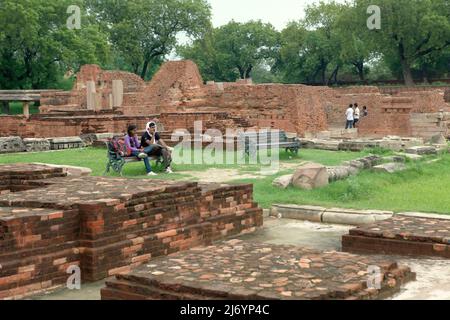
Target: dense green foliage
<point x="331" y="43"/>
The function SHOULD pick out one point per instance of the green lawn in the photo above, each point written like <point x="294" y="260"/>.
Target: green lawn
<point x="95" y="159"/>
<point x="423" y="187"/>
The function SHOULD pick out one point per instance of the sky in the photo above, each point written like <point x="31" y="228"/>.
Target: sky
<point x="277" y="12"/>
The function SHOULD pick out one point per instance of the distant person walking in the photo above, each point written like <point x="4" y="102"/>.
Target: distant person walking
<point x="349" y="115"/>
<point x="356" y="115"/>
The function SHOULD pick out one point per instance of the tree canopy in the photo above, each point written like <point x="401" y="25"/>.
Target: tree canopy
<point x="331" y="44"/>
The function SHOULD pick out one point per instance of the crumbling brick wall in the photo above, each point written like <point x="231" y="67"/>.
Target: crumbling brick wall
<point x="178" y="89"/>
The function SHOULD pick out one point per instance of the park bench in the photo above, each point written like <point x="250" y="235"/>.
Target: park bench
<point x="254" y="141"/>
<point x="116" y="162"/>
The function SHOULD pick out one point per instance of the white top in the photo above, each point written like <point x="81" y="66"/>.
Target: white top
<point x="357" y="113"/>
<point x="349" y="114"/>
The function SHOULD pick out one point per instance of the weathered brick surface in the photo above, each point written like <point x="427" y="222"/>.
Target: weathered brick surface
<point x="106" y="226"/>
<point x="244" y="270"/>
<point x="402" y="235"/>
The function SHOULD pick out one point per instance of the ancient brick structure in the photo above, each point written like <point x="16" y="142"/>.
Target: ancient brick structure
<point x="401" y="235"/>
<point x="106" y="101"/>
<point x="49" y="222"/>
<point x="237" y="270"/>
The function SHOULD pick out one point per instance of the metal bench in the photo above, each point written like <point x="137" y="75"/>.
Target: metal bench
<point x="254" y="141"/>
<point x="116" y="162"/>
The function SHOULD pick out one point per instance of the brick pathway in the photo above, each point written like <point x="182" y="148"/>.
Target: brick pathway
<point x="402" y="235"/>
<point x="246" y="270"/>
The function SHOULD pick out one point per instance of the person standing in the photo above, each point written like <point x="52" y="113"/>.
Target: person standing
<point x="356" y="115"/>
<point x="349" y="115"/>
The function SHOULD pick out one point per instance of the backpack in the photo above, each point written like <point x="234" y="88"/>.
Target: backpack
<point x="117" y="146"/>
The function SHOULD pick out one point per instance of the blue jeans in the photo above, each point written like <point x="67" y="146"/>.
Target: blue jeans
<point x="148" y="167"/>
<point x="349" y="124"/>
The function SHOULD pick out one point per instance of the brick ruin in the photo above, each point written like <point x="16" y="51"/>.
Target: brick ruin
<point x="106" y="101"/>
<point x="238" y="270"/>
<point x="49" y="222"/>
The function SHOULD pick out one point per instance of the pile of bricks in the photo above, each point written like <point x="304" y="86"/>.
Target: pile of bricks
<point x="107" y="226"/>
<point x="405" y="235"/>
<point x="237" y="270"/>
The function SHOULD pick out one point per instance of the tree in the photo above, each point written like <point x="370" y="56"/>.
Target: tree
<point x="212" y="63"/>
<point x="235" y="48"/>
<point x="311" y="48"/>
<point x="356" y="46"/>
<point x="144" y="31"/>
<point x="36" y="47"/>
<point x="410" y="30"/>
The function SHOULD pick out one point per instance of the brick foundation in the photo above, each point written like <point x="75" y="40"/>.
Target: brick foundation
<point x="49" y="222"/>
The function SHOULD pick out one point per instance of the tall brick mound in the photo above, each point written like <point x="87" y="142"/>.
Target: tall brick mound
<point x="107" y="226"/>
<point x="239" y="270"/>
<point x="401" y="235"/>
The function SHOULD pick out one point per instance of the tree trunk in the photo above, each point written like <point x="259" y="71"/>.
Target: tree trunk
<point x="406" y="67"/>
<point x="333" y="77"/>
<point x="248" y="72"/>
<point x="241" y="72"/>
<point x="144" y="69"/>
<point x="425" y="75"/>
<point x="360" y="67"/>
<point x="5" y="107"/>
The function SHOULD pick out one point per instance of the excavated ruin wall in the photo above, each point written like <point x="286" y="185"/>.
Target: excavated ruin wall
<point x="177" y="88"/>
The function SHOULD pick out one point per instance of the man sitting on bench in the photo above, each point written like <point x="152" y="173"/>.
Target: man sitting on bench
<point x="154" y="146"/>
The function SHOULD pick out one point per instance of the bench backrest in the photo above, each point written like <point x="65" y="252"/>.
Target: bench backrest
<point x="261" y="136"/>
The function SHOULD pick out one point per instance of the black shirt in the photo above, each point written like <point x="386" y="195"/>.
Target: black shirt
<point x="148" y="136"/>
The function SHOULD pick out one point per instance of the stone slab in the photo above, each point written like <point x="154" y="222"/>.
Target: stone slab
<point x="391" y="167"/>
<point x="309" y="213"/>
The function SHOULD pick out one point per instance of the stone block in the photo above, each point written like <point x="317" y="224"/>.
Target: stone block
<point x="421" y="150"/>
<point x="390" y="167"/>
<point x="65" y="143"/>
<point x="310" y="176"/>
<point x="309" y="213"/>
<point x="11" y="144"/>
<point x="283" y="182"/>
<point x="36" y="144"/>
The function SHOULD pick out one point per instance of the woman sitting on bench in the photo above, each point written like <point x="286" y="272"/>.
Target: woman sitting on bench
<point x="132" y="142"/>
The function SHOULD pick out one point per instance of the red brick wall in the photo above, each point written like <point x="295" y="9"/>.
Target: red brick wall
<point x="178" y="88"/>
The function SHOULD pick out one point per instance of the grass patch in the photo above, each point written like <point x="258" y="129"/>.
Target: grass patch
<point x="422" y="187"/>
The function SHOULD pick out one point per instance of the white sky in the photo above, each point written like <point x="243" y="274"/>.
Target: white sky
<point x="277" y="12"/>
